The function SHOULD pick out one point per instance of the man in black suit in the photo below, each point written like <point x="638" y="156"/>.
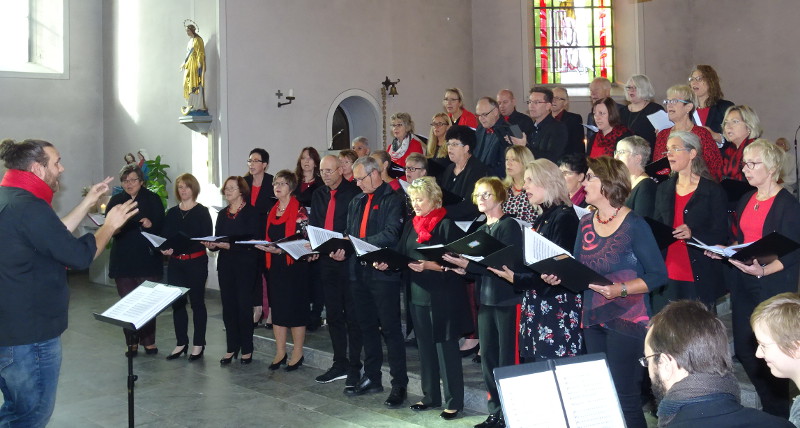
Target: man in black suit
<point x="575" y="133"/>
<point x="508" y="110"/>
<point x="491" y="136"/>
<point x="376" y="217"/>
<point x="329" y="211"/>
<point x="550" y="137"/>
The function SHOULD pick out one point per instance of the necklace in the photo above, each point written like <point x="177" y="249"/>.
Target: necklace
<point x="601" y="221"/>
<point x="238" y="210"/>
<point x="758" y="202"/>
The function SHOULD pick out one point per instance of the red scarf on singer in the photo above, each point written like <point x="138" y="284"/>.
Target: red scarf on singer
<point x="27" y="180"/>
<point x="289" y="219"/>
<point x="424" y="225"/>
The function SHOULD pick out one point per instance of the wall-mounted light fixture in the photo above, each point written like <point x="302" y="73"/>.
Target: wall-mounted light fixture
<point x="389" y="86"/>
<point x="289" y="97"/>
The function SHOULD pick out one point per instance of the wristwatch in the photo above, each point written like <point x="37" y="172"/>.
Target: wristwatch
<point x="624" y="292"/>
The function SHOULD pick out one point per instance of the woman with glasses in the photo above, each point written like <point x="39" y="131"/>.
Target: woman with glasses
<point x="497" y="315"/>
<point x="262" y="199"/>
<point x="518" y="205"/>
<point x="460" y="176"/>
<point x="609" y="128"/>
<point x="287" y="279"/>
<point x="307" y="172"/>
<point x="237" y="268"/>
<point x="769" y="208"/>
<point x="549" y="323"/>
<point x="680" y="105"/>
<point x="438" y="300"/>
<point x="347" y="158"/>
<point x="437" y="145"/>
<point x="634" y="152"/>
<point x="693" y="204"/>
<point x="573" y="167"/>
<point x="404" y="142"/>
<point x="740" y="128"/>
<point x="618" y="244"/>
<point x="453" y="103"/>
<point x="640" y="93"/>
<point x="133" y="259"/>
<point x="711" y="107"/>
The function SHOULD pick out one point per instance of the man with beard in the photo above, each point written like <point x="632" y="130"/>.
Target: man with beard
<point x="33" y="277"/>
<point x="692" y="372"/>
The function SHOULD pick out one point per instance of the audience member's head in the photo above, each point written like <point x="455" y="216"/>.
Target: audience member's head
<point x="776" y="324"/>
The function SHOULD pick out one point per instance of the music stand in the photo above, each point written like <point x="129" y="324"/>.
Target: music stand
<point x="132" y="313"/>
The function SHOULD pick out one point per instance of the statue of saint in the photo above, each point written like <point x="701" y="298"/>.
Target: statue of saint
<point x="194" y="69"/>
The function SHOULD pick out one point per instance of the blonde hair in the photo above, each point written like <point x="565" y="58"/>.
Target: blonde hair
<point x="771" y="155"/>
<point x="436" y="150"/>
<point x="685" y="93"/>
<point x="426" y="187"/>
<point x="780" y="316"/>
<point x="523" y="155"/>
<point x="547" y="175"/>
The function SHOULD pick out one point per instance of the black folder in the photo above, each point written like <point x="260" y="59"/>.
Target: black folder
<point x="499" y="258"/>
<point x="735" y="189"/>
<point x="766" y="249"/>
<point x="574" y="275"/>
<point x="450" y="198"/>
<point x="335" y="244"/>
<point x="658" y="170"/>
<point x="661" y="232"/>
<point x="395" y="170"/>
<point x="435" y="253"/>
<point x="478" y="243"/>
<point x="435" y="168"/>
<point x="395" y="260"/>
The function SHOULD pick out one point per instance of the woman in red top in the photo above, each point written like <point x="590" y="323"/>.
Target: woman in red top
<point x="680" y="104"/>
<point x="609" y="128"/>
<point x="769" y="208"/>
<point x="740" y="127"/>
<point x="453" y="103"/>
<point x="693" y="204"/>
<point x="404" y="142"/>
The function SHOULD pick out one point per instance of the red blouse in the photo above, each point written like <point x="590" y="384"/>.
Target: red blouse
<point x="679" y="267"/>
<point x="732" y="160"/>
<point x="751" y="220"/>
<point x="703" y="113"/>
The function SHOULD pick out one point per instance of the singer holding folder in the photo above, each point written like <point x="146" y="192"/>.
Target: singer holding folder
<point x="618" y="244"/>
<point x="769" y="208"/>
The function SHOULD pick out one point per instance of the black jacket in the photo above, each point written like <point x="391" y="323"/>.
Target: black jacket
<point x="304" y="196"/>
<point x="463" y="185"/>
<point x="495" y="291"/>
<point x="716" y="114"/>
<point x="345" y="193"/>
<point x="264" y="201"/>
<point x="550" y="139"/>
<point x="132" y="255"/>
<point x="575" y="132"/>
<point x="491" y="147"/>
<point x="724" y="411"/>
<point x="643" y="197"/>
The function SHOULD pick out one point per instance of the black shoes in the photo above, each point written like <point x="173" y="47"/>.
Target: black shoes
<point x="331" y="375"/>
<point x="276" y="366"/>
<point x="476" y="359"/>
<point x="493" y="421"/>
<point x="364" y="386"/>
<point x="350" y="383"/>
<point x="448" y="415"/>
<point x="177" y="355"/>
<point x="195" y="357"/>
<point x="418" y="407"/>
<point x="245" y="361"/>
<point x="151" y="351"/>
<point x="227" y="360"/>
<point x="467" y="352"/>
<point x="396" y="397"/>
<point x="295" y="366"/>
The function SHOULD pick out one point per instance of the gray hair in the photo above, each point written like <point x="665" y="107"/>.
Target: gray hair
<point x="692" y="142"/>
<point x="369" y="163"/>
<point x="639" y="146"/>
<point x="644" y="88"/>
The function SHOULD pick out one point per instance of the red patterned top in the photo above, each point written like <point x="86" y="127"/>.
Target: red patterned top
<point x="604" y="145"/>
<point x="710" y="150"/>
<point x="732" y="160"/>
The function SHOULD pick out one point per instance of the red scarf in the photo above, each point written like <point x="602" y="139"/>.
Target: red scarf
<point x="424" y="225"/>
<point x="289" y="219"/>
<point x="27" y="180"/>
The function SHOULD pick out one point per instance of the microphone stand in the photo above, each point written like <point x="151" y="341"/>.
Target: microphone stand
<point x="330" y="145"/>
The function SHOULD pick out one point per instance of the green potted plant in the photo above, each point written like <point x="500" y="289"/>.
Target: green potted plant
<point x="157" y="178"/>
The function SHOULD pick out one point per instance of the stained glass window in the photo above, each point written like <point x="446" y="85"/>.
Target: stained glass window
<point x="572" y="41"/>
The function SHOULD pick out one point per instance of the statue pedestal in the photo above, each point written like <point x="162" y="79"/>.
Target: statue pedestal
<point x="197" y="121"/>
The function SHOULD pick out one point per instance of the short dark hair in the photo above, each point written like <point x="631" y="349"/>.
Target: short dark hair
<point x="615" y="179"/>
<point x="462" y="133"/>
<point x="614" y="118"/>
<point x="349" y="154"/>
<point x="263" y="153"/>
<point x="700" y="348"/>
<point x="289" y="176"/>
<point x="244" y="189"/>
<point x="20" y="155"/>
<point x="575" y="162"/>
<point x="548" y="93"/>
<point x="131" y="168"/>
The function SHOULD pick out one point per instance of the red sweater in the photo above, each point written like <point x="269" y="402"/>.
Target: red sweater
<point x="710" y="150"/>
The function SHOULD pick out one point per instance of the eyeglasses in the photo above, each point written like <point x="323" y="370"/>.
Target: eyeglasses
<point x="559" y="98"/>
<point x="568" y="173"/>
<point x="750" y="165"/>
<point x="643" y="361"/>
<point x="620" y="152"/>
<point x="696" y="79"/>
<point x="485" y="115"/>
<point x="413" y="169"/>
<point x="359" y="180"/>
<point x="279" y="183"/>
<point x="131" y="181"/>
<point x="674" y="150"/>
<point x="454" y="144"/>
<point x="255" y="161"/>
<point x="451" y="99"/>
<point x="483" y="196"/>
<point x="630" y="88"/>
<point x="232" y="189"/>
<point x="438" y="124"/>
<point x="398" y="125"/>
<point x="675" y="101"/>
<point x="590" y="176"/>
<point x="328" y="171"/>
<point x="731" y="122"/>
<point x="536" y="102"/>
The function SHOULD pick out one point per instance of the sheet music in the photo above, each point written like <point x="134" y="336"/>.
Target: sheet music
<point x="208" y="238"/>
<point x="404" y="184"/>
<point x="296" y="249"/>
<point x="154" y="239"/>
<point x="725" y="252"/>
<point x="522" y="223"/>
<point x="431" y="246"/>
<point x="253" y="242"/>
<point x="531" y="401"/>
<point x="660" y="120"/>
<point x="318" y="236"/>
<point x="696" y="118"/>
<point x="580" y="211"/>
<point x="473" y="258"/>
<point x="588" y="393"/>
<point x="98" y="219"/>
<point x="537" y="247"/>
<point x="466" y="224"/>
<point x="362" y="247"/>
<point x="591" y="127"/>
<point x="143" y="303"/>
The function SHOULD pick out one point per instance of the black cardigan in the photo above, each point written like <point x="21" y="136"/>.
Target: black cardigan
<point x="132" y="255"/>
<point x="264" y="201"/>
<point x="642" y="199"/>
<point x="463" y="185"/>
<point x="495" y="291"/>
<point x="716" y="114"/>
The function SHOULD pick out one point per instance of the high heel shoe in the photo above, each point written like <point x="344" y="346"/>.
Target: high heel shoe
<point x="194" y="357"/>
<point x="276" y="366"/>
<point x="295" y="366"/>
<point x="248" y="360"/>
<point x="467" y="352"/>
<point x="151" y="351"/>
<point x="227" y="360"/>
<point x="176" y="355"/>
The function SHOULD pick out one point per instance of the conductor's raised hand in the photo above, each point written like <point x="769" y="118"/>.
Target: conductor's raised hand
<point x="119" y="214"/>
<point x="98" y="190"/>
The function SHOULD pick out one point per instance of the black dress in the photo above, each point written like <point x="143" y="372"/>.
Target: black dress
<point x="287" y="284"/>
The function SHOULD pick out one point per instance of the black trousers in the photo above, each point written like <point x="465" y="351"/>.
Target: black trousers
<point x="378" y="313"/>
<point x="438" y="360"/>
<point x="341" y="313"/>
<point x="622" y="354"/>
<point x="497" y="328"/>
<point x="191" y="274"/>
<point x="236" y="292"/>
<point x="317" y="294"/>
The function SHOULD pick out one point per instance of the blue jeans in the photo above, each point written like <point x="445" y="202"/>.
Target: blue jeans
<point x="29" y="379"/>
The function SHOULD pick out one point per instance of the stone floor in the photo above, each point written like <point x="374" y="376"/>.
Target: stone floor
<point x="92" y="388"/>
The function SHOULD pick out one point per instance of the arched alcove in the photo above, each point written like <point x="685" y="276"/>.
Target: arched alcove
<point x="363" y="117"/>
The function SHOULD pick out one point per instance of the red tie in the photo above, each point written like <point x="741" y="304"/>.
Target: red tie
<point x="490" y="130"/>
<point x="362" y="232"/>
<point x="331" y="211"/>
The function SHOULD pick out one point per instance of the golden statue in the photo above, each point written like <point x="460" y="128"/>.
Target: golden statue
<point x="194" y="69"/>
